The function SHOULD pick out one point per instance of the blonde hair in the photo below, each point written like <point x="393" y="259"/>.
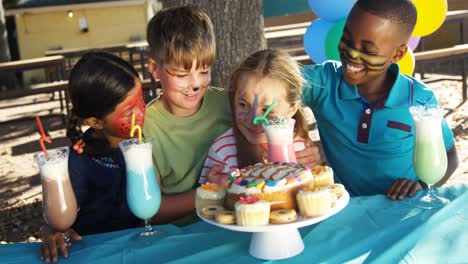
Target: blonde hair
<point x="277" y="65"/>
<point x="180" y="35"/>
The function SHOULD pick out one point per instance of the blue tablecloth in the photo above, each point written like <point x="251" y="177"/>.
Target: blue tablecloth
<point x="370" y="229"/>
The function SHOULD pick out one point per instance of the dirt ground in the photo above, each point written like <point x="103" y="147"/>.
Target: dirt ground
<point x="20" y="185"/>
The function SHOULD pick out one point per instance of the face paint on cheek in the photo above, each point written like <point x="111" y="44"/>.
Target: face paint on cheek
<point x="372" y="62"/>
<point x="121" y="127"/>
<point x="140" y="116"/>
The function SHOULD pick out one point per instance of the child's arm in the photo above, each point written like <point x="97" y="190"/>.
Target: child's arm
<point x="218" y="176"/>
<point x="405" y="187"/>
<point x="217" y="167"/>
<point x="174" y="207"/>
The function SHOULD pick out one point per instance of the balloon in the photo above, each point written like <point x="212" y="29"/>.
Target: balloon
<point x="333" y="39"/>
<point x="331" y="10"/>
<point x="407" y="63"/>
<point x="413" y="42"/>
<point x="431" y="15"/>
<point x="314" y="40"/>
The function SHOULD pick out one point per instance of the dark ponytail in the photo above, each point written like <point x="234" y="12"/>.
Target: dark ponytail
<point x="74" y="127"/>
<point x="99" y="81"/>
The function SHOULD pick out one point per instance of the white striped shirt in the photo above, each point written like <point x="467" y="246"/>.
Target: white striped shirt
<point x="222" y="152"/>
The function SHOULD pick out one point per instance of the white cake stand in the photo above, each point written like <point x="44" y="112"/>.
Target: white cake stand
<point x="279" y="241"/>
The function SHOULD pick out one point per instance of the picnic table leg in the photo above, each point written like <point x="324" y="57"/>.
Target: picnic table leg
<point x="61" y="101"/>
<point x="464" y="86"/>
<point x="462" y="31"/>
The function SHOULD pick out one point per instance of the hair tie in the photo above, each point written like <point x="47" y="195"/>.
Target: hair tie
<point x="78" y="146"/>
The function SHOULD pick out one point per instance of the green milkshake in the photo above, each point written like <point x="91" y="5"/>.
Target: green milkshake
<point x="430" y="160"/>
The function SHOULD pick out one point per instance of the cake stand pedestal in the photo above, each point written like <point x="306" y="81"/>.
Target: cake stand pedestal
<point x="279" y="241"/>
<point x="278" y="244"/>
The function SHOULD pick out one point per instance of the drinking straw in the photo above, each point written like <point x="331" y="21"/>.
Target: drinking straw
<point x="260" y="119"/>
<point x="43" y="136"/>
<point x="135" y="127"/>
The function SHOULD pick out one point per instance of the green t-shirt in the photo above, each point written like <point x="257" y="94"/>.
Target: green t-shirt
<point x="181" y="144"/>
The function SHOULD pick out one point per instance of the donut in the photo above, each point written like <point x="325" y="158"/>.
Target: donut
<point x="211" y="210"/>
<point x="283" y="216"/>
<point x="337" y="189"/>
<point x="225" y="218"/>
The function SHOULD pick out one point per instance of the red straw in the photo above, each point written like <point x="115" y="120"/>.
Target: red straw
<point x="43" y="136"/>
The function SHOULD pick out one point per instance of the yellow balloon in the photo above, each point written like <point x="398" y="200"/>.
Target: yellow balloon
<point x="407" y="63"/>
<point x="431" y="15"/>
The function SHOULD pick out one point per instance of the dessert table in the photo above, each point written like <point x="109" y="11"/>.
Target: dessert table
<point x="369" y="229"/>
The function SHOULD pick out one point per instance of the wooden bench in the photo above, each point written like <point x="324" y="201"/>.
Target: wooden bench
<point x="74" y="54"/>
<point x="55" y="76"/>
<point x="54" y="65"/>
<point x="433" y="61"/>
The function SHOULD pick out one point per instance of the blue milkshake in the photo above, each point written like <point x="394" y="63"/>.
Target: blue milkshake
<point x="143" y="193"/>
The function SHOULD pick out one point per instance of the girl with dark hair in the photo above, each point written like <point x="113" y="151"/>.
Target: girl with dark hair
<point x="105" y="92"/>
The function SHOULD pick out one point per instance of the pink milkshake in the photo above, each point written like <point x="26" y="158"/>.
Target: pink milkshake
<point x="280" y="136"/>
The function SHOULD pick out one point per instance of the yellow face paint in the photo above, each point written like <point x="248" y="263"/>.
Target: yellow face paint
<point x="372" y="62"/>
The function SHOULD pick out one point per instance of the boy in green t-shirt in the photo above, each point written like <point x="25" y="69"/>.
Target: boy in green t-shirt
<point x="190" y="114"/>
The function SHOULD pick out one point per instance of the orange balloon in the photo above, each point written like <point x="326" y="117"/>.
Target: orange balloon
<point x="431" y="15"/>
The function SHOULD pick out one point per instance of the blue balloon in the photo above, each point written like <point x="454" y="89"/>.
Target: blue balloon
<point x="314" y="40"/>
<point x="332" y="10"/>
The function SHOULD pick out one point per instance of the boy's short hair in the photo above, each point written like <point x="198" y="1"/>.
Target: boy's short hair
<point x="181" y="34"/>
<point x="401" y="12"/>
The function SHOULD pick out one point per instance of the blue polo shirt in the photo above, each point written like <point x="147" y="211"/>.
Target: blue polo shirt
<point x="368" y="146"/>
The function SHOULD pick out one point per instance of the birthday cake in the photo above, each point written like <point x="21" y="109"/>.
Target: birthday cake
<point x="277" y="183"/>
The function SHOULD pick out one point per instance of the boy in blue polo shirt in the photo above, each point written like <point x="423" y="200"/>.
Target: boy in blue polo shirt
<point x="362" y="105"/>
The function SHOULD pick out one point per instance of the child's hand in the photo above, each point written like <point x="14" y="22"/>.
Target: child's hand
<point x="51" y="239"/>
<point x="309" y="156"/>
<point x="402" y="187"/>
<point x="216" y="175"/>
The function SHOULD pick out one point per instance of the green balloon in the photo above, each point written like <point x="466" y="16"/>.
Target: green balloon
<point x="333" y="39"/>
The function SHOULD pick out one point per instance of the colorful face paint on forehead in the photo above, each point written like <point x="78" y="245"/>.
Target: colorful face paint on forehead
<point x="372" y="62"/>
<point x="255" y="105"/>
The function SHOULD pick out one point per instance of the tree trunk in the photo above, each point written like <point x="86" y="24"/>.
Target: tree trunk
<point x="7" y="80"/>
<point x="238" y="26"/>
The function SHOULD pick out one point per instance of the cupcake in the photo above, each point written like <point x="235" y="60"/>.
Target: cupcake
<point x="323" y="176"/>
<point x="314" y="202"/>
<point x="209" y="194"/>
<point x="337" y="189"/>
<point x="251" y="211"/>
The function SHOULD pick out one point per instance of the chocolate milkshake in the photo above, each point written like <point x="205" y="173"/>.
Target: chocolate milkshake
<point x="58" y="199"/>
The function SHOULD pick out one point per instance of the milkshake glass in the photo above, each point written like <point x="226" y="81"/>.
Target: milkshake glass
<point x="280" y="138"/>
<point x="58" y="199"/>
<point x="430" y="158"/>
<point x="143" y="193"/>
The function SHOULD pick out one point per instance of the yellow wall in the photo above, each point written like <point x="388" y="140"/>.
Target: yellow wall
<point x="38" y="32"/>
